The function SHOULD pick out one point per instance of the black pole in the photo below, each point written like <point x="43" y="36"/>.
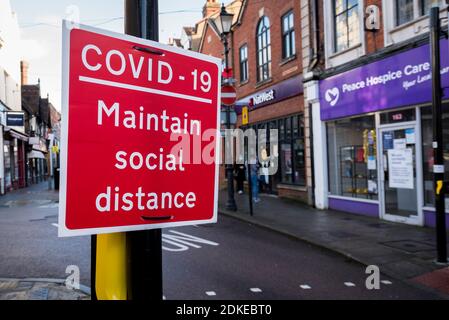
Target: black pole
<point x="435" y="30"/>
<point x="93" y="267"/>
<point x="144" y="247"/>
<point x="230" y="204"/>
<point x="250" y="182"/>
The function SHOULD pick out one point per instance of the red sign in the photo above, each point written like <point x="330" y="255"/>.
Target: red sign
<point x="228" y="95"/>
<point x="140" y="134"/>
<point x="228" y="73"/>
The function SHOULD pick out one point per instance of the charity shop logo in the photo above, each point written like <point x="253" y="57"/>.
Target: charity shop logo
<point x="332" y="96"/>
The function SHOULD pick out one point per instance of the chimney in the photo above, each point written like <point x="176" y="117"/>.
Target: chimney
<point x="24" y="67"/>
<point x="210" y="8"/>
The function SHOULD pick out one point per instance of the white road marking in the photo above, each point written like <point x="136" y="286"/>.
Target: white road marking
<point x="179" y="242"/>
<point x="211" y="293"/>
<point x="305" y="287"/>
<point x="387" y="282"/>
<point x="48" y="206"/>
<point x="55" y="225"/>
<point x="349" y="284"/>
<point x="256" y="290"/>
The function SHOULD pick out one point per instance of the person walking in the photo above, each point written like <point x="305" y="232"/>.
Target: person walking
<point x="254" y="176"/>
<point x="239" y="173"/>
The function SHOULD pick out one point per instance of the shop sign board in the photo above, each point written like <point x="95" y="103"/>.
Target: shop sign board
<point x="403" y="79"/>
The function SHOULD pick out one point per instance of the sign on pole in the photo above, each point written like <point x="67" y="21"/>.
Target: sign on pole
<point x="228" y="95"/>
<point x="140" y="134"/>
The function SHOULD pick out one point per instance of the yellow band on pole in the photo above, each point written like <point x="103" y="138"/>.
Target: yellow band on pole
<point x="439" y="187"/>
<point x="111" y="273"/>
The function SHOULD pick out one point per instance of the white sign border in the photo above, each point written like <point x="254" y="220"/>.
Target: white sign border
<point x="63" y="231"/>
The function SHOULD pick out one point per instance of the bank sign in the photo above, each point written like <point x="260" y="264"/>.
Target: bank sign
<point x="401" y="80"/>
<point x="140" y="134"/>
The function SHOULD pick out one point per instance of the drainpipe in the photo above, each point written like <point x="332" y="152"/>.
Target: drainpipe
<point x="316" y="35"/>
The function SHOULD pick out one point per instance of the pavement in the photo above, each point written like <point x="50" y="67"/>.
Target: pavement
<point x="40" y="289"/>
<point x="400" y="251"/>
<point x="35" y="204"/>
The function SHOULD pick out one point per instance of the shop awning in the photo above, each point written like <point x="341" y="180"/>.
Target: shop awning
<point x="16" y="134"/>
<point x="36" y="155"/>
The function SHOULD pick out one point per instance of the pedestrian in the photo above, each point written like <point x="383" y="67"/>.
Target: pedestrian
<point x="239" y="174"/>
<point x="254" y="174"/>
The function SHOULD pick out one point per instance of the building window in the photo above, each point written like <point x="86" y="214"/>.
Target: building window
<point x="346" y="24"/>
<point x="351" y="143"/>
<point x="427" y="137"/>
<point x="405" y="10"/>
<point x="243" y="63"/>
<point x="288" y="36"/>
<point x="425" y="6"/>
<point x="292" y="150"/>
<point x="263" y="50"/>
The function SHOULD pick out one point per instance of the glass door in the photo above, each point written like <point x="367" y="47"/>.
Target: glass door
<point x="400" y="201"/>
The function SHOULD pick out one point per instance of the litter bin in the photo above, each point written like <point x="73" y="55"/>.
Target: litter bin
<point x="56" y="177"/>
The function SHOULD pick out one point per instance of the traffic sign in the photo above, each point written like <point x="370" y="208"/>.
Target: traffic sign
<point x="228" y="95"/>
<point x="140" y="131"/>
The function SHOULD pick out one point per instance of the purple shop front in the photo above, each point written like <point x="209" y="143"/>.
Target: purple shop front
<point x="398" y="81"/>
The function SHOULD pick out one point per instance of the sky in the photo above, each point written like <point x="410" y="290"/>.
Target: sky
<point x="40" y="24"/>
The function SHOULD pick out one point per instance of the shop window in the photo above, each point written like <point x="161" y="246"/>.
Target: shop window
<point x="292" y="156"/>
<point x="427" y="137"/>
<point x="286" y="163"/>
<point x="243" y="63"/>
<point x="7" y="164"/>
<point x="290" y="149"/>
<point x="263" y="50"/>
<point x="346" y="24"/>
<point x="352" y="150"/>
<point x="288" y="36"/>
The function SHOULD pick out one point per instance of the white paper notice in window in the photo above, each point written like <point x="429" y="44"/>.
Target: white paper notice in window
<point x="400" y="163"/>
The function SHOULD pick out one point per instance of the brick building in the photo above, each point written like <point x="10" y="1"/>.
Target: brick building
<point x="369" y="91"/>
<point x="266" y="57"/>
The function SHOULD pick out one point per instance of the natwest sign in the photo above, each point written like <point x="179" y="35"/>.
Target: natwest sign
<point x="263" y="97"/>
<point x="140" y="130"/>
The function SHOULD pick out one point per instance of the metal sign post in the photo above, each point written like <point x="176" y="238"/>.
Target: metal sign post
<point x="435" y="31"/>
<point x="144" y="247"/>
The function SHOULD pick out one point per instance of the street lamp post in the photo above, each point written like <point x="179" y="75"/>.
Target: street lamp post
<point x="222" y="25"/>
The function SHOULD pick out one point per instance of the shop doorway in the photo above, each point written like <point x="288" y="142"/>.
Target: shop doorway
<point x="400" y="173"/>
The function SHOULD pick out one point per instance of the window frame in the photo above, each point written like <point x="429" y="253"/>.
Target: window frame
<point x="290" y="140"/>
<point x="243" y="64"/>
<point x="345" y="12"/>
<point x="288" y="35"/>
<point x="261" y="33"/>
<point x="418" y="12"/>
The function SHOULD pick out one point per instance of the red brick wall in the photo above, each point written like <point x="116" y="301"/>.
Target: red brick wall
<point x="246" y="33"/>
<point x="211" y="44"/>
<point x="374" y="39"/>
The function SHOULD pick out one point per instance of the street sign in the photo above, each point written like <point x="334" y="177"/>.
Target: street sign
<point x="15" y="119"/>
<point x="140" y="135"/>
<point x="228" y="95"/>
